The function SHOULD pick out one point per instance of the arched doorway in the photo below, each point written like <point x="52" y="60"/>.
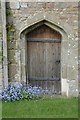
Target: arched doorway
<point x="44" y="58"/>
<point x="32" y="25"/>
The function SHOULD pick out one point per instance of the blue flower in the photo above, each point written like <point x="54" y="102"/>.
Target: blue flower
<point x="19" y="91"/>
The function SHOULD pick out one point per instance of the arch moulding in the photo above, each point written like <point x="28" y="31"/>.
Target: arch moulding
<point x="51" y="21"/>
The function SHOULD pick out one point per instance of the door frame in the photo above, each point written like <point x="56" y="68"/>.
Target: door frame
<point x="64" y="47"/>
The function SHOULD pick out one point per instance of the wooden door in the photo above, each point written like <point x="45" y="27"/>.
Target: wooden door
<point x="44" y="52"/>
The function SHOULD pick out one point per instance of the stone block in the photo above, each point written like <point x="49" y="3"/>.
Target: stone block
<point x="73" y="88"/>
<point x="50" y="5"/>
<point x="64" y="87"/>
<point x="23" y="4"/>
<point x="14" y="5"/>
<point x="17" y="57"/>
<point x="31" y="5"/>
<point x="64" y="71"/>
<point x="13" y="68"/>
<point x="72" y="73"/>
<point x="11" y="44"/>
<point x="11" y="54"/>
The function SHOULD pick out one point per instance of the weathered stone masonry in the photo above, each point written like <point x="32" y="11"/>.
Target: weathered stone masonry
<point x="63" y="17"/>
<point x="0" y="49"/>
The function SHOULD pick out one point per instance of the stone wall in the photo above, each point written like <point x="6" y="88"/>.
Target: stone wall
<point x="65" y="14"/>
<point x="79" y="47"/>
<point x="0" y="49"/>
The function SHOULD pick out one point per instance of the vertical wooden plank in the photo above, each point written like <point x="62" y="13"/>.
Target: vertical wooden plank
<point x="60" y="59"/>
<point x="53" y="59"/>
<point x="58" y="55"/>
<point x="28" y="58"/>
<point x="34" y="62"/>
<point x="44" y="60"/>
<point x="41" y="58"/>
<point x="31" y="50"/>
<point x="56" y="60"/>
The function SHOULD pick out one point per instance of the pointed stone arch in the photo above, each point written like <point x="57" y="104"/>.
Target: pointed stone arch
<point x="51" y="21"/>
<point x="50" y="17"/>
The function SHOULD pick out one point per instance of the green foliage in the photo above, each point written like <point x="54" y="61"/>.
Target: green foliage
<point x="0" y="53"/>
<point x="8" y="12"/>
<point x="1" y="56"/>
<point x="10" y="31"/>
<point x="10" y="27"/>
<point x="0" y="34"/>
<point x="24" y="95"/>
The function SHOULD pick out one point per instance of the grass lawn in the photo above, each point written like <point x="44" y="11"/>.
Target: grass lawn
<point x="43" y="108"/>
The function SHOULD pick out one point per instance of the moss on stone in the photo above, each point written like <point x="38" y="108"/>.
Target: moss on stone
<point x="11" y="54"/>
<point x="10" y="27"/>
<point x="8" y="12"/>
<point x="10" y="31"/>
<point x="1" y="56"/>
<point x="0" y="34"/>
